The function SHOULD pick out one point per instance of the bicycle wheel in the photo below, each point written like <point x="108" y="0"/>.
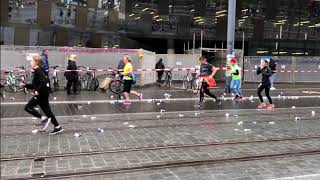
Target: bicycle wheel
<point x="115" y="86"/>
<point x="185" y="82"/>
<point x="13" y="88"/>
<point x="195" y="86"/>
<point x="56" y="85"/>
<point x="85" y="81"/>
<point x="167" y="80"/>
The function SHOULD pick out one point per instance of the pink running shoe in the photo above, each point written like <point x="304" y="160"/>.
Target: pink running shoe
<point x="261" y="105"/>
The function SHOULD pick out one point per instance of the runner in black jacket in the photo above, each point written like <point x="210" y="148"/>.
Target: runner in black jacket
<point x="40" y="84"/>
<point x="266" y="73"/>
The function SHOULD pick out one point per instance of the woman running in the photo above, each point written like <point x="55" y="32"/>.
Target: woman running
<point x="40" y="84"/>
<point x="266" y="73"/>
<point x="127" y="79"/>
<point x="207" y="71"/>
<point x="235" y="84"/>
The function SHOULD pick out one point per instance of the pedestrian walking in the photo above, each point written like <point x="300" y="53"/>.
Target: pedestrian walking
<point x="72" y="75"/>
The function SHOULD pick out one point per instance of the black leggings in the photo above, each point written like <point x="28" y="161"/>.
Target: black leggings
<point x="72" y="83"/>
<point x="160" y="74"/>
<point x="204" y="90"/>
<point x="43" y="102"/>
<point x="267" y="91"/>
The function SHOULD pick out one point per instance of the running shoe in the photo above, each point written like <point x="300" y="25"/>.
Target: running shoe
<point x="271" y="106"/>
<point x="126" y="102"/>
<point x="261" y="105"/>
<point x="140" y="97"/>
<point x="272" y="88"/>
<point x="45" y="123"/>
<point x="218" y="101"/>
<point x="56" y="131"/>
<point x="236" y="97"/>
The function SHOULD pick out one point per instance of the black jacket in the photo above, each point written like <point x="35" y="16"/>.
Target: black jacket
<point x="273" y="65"/>
<point x="266" y="73"/>
<point x="40" y="81"/>
<point x="160" y="65"/>
<point x="71" y="75"/>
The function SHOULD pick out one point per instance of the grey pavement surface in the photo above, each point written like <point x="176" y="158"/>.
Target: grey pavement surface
<point x="231" y="141"/>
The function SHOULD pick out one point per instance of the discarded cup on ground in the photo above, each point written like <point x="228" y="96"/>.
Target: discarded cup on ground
<point x="240" y="123"/>
<point x="180" y="115"/>
<point x="93" y="118"/>
<point x="100" y="130"/>
<point x="196" y="114"/>
<point x="293" y="107"/>
<point x="77" y="134"/>
<point x="34" y="131"/>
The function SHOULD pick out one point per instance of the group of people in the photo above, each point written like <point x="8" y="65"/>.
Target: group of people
<point x="41" y="83"/>
<point x="233" y="80"/>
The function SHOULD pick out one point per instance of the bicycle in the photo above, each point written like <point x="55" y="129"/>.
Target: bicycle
<point x="10" y="81"/>
<point x="55" y="79"/>
<point x="25" y="78"/>
<point x="168" y="78"/>
<point x="193" y="83"/>
<point x="116" y="84"/>
<point x="89" y="80"/>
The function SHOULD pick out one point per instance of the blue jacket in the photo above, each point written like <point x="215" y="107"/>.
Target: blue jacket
<point x="45" y="62"/>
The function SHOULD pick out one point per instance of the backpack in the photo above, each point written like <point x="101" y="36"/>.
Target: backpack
<point x="134" y="78"/>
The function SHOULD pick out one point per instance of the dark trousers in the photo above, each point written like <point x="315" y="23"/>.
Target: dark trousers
<point x="160" y="74"/>
<point x="47" y="74"/>
<point x="72" y="83"/>
<point x="228" y="82"/>
<point x="266" y="87"/>
<point x="43" y="102"/>
<point x="204" y="90"/>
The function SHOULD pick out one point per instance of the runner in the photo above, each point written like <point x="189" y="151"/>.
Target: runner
<point x="207" y="71"/>
<point x="40" y="84"/>
<point x="236" y="79"/>
<point x="266" y="73"/>
<point x="128" y="80"/>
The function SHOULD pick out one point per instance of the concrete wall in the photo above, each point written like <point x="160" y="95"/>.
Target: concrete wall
<point x="100" y="58"/>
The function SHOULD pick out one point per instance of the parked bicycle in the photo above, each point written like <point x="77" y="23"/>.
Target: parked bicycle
<point x="55" y="79"/>
<point x="89" y="80"/>
<point x="191" y="82"/>
<point x="10" y="81"/>
<point x="25" y="78"/>
<point x="168" y="78"/>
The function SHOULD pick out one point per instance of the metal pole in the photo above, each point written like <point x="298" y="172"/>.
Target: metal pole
<point x="242" y="53"/>
<point x="194" y="42"/>
<point x="201" y="39"/>
<point x="231" y="25"/>
<point x="184" y="48"/>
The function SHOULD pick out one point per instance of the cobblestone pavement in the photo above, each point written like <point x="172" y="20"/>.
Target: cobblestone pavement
<point x="234" y="141"/>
